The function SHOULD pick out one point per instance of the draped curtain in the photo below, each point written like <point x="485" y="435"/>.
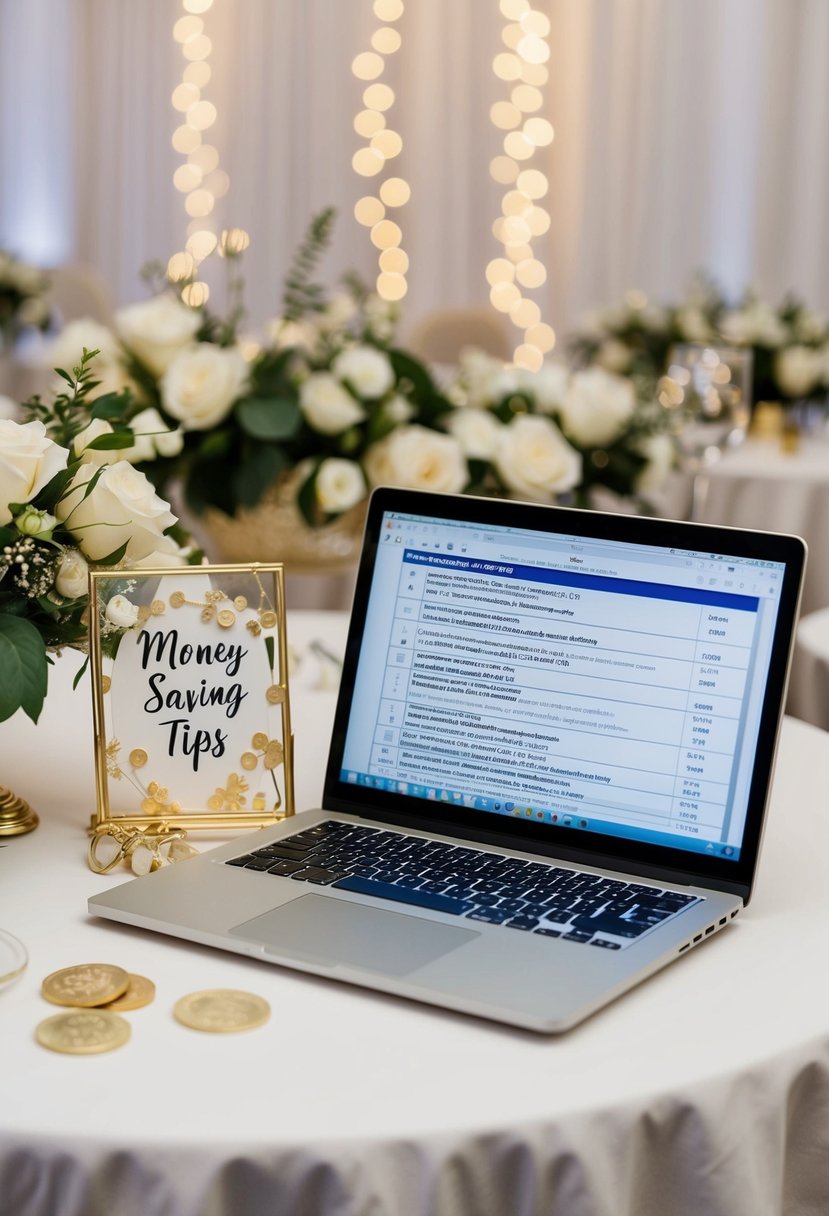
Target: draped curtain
<point x="689" y="137"/>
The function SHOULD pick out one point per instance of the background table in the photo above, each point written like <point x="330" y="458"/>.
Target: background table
<point x="705" y="1092"/>
<point x="809" y="689"/>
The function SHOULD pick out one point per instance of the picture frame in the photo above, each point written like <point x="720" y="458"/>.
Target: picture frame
<point x="191" y="705"/>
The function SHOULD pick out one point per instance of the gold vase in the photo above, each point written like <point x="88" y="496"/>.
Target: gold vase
<point x="274" y="531"/>
<point x="16" y="816"/>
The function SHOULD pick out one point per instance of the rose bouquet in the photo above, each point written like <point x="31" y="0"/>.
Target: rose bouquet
<point x="790" y="342"/>
<point x="70" y="498"/>
<point x="23" y="298"/>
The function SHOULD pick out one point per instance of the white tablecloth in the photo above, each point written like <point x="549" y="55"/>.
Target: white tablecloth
<point x="705" y="1092"/>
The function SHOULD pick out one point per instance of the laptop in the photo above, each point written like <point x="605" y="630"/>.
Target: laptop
<point x="549" y="768"/>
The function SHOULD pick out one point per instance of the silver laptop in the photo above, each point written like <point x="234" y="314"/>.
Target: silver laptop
<point x="549" y="768"/>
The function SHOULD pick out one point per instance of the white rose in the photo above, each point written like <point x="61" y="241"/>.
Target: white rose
<point x="156" y="330"/>
<point x="483" y="379"/>
<point x="283" y="334"/>
<point x="613" y="355"/>
<point x="597" y="407"/>
<point x="547" y="386"/>
<point x="367" y="370"/>
<point x="399" y="409"/>
<point x="660" y="453"/>
<point x="381" y="316"/>
<point x="535" y="459"/>
<point x="80" y="444"/>
<point x="177" y="556"/>
<point x="152" y="437"/>
<point x="477" y="432"/>
<point x="71" y="578"/>
<point x="328" y="407"/>
<point x="339" y="310"/>
<point x="798" y="370"/>
<point x="122" y="508"/>
<point x="201" y="384"/>
<point x="121" y="612"/>
<point x="418" y="459"/>
<point x="340" y="484"/>
<point x="66" y="349"/>
<point x="29" y="459"/>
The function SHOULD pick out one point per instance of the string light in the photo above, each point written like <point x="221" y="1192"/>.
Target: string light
<point x="383" y="144"/>
<point x="199" y="178"/>
<point x="521" y="66"/>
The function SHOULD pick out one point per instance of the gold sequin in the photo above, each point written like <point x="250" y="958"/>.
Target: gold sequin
<point x="226" y="618"/>
<point x="248" y="761"/>
<point x="106" y="683"/>
<point x="254" y="627"/>
<point x="138" y="757"/>
<point x="143" y="612"/>
<point x="158" y="608"/>
<point x="207" y="614"/>
<point x="267" y="620"/>
<point x="177" y="599"/>
<point x="260" y="741"/>
<point x="241" y="603"/>
<point x="275" y="694"/>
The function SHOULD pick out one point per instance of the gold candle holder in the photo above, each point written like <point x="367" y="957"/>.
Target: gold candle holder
<point x="16" y="816"/>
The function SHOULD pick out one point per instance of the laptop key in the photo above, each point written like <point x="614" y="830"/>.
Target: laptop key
<point x="522" y="922"/>
<point x="403" y="895"/>
<point x="316" y="875"/>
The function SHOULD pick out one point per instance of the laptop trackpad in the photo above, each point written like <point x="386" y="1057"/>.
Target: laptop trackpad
<point x="333" y="931"/>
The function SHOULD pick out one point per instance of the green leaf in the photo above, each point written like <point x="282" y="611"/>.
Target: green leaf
<point x="109" y="443"/>
<point x="269" y="417"/>
<point x="259" y="469"/>
<point x="23" y="668"/>
<point x="214" y="443"/>
<point x="113" y="558"/>
<point x="65" y="375"/>
<point x="110" y="405"/>
<point x="407" y="368"/>
<point x="306" y="500"/>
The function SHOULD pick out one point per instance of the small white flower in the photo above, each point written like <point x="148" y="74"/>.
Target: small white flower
<point x="418" y="459"/>
<point x="31" y="522"/>
<point x="367" y="370"/>
<point x="71" y="579"/>
<point x="157" y="329"/>
<point x="476" y="431"/>
<point x="399" y="409"/>
<point x="152" y="438"/>
<point x="535" y="459"/>
<point x="597" y="407"/>
<point x="339" y="485"/>
<point x="201" y="384"/>
<point x="121" y="612"/>
<point x="692" y="324"/>
<point x="328" y="407"/>
<point x="339" y="310"/>
<point x="483" y="379"/>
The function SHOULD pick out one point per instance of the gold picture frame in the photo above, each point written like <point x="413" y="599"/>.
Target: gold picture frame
<point x="190" y="693"/>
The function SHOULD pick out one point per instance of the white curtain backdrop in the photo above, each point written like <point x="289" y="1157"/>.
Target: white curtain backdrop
<point x="689" y="136"/>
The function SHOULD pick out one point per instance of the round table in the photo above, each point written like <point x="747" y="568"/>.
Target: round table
<point x="809" y="688"/>
<point x="705" y="1090"/>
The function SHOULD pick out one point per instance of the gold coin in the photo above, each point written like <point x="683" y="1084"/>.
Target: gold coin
<point x="221" y="1010"/>
<point x="158" y="608"/>
<point x="177" y="599"/>
<point x="83" y="1032"/>
<point x="260" y="740"/>
<point x="85" y="985"/>
<point x="249" y="761"/>
<point x="138" y="757"/>
<point x="226" y="618"/>
<point x="267" y="619"/>
<point x="275" y="695"/>
<point x="106" y="683"/>
<point x="207" y="614"/>
<point x="240" y="602"/>
<point x="140" y="992"/>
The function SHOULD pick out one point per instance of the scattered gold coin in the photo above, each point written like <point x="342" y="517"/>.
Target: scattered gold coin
<point x="83" y="1032"/>
<point x="140" y="992"/>
<point x="221" y="1010"/>
<point x="86" y="985"/>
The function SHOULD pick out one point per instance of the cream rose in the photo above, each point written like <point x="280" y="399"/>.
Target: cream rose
<point x="367" y="370"/>
<point x="152" y="438"/>
<point x="121" y="508"/>
<point x="201" y="384"/>
<point x="156" y="330"/>
<point x="121" y="612"/>
<point x="340" y="484"/>
<point x="798" y="369"/>
<point x="71" y="579"/>
<point x="82" y="451"/>
<point x="418" y="459"/>
<point x="535" y="460"/>
<point x="29" y="459"/>
<point x="547" y="386"/>
<point x="328" y="407"/>
<point x="596" y="407"/>
<point x="85" y="333"/>
<point x="476" y="431"/>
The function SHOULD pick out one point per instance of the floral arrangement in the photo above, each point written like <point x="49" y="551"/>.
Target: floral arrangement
<point x="790" y="342"/>
<point x="23" y="298"/>
<point x="329" y="400"/>
<point x="70" y="498"/>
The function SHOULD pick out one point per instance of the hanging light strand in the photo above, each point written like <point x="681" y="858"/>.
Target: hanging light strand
<point x="523" y="67"/>
<point x="199" y="177"/>
<point x="382" y="145"/>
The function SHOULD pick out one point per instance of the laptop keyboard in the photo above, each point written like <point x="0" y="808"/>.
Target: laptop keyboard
<point x="549" y="900"/>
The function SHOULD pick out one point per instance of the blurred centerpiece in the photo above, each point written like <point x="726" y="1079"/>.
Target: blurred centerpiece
<point x="276" y="444"/>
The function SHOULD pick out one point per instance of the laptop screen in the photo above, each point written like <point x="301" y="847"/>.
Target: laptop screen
<point x="574" y="677"/>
